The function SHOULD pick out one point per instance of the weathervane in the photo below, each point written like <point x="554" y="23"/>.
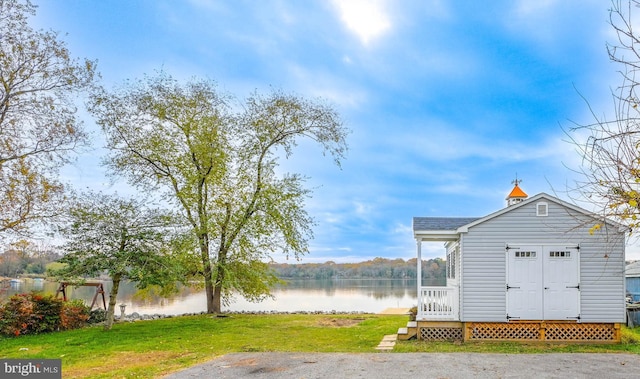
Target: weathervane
<point x="516" y="182"/>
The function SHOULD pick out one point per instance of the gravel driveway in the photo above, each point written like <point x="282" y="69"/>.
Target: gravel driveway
<point x="415" y="365"/>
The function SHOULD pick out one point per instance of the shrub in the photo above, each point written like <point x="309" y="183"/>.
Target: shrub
<point x="34" y="313"/>
<point x="74" y="315"/>
<point x="46" y="313"/>
<point x="16" y="315"/>
<point x="97" y="316"/>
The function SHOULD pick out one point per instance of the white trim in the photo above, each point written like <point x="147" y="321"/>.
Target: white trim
<point x="419" y="271"/>
<point x="461" y="280"/>
<point x="436" y="235"/>
<point x="545" y="206"/>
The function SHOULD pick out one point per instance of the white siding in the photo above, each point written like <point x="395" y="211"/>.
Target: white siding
<point x="483" y="295"/>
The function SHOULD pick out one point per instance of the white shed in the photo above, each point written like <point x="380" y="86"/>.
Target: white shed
<point x="540" y="268"/>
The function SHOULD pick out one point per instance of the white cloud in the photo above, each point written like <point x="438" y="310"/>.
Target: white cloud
<point x="442" y="142"/>
<point x="552" y="24"/>
<point x="206" y="4"/>
<point x="366" y="18"/>
<point x="431" y="250"/>
<point x="632" y="251"/>
<point x="326" y="249"/>
<point x="527" y="7"/>
<point x="362" y="209"/>
<point x="326" y="85"/>
<point x="402" y="229"/>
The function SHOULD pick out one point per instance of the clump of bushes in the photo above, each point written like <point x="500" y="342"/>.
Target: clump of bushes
<point x="35" y="313"/>
<point x="97" y="316"/>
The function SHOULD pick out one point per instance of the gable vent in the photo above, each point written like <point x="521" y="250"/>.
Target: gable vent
<point x="542" y="209"/>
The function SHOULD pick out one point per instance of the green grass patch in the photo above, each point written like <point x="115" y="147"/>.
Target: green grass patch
<point x="150" y="349"/>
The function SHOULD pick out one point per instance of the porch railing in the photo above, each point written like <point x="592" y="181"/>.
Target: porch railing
<point x="438" y="303"/>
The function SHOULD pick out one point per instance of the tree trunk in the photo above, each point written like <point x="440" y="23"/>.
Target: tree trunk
<point x="207" y="271"/>
<point x="217" y="296"/>
<point x="217" y="290"/>
<point x="112" y="301"/>
<point x="208" y="286"/>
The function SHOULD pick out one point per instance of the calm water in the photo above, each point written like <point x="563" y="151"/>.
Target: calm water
<point x="342" y="295"/>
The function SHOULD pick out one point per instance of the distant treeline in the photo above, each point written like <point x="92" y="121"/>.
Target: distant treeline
<point x="432" y="269"/>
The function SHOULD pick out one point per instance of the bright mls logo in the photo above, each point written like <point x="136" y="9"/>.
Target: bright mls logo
<point x="31" y="368"/>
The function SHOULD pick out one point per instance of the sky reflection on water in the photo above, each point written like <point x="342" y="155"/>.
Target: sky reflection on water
<point x="343" y="295"/>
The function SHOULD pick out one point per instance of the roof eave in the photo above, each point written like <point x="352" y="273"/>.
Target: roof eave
<point x="436" y="235"/>
<point x="542" y="195"/>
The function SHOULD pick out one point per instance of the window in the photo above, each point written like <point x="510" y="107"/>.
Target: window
<point x="525" y="254"/>
<point x="542" y="209"/>
<point x="452" y="257"/>
<point x="560" y="254"/>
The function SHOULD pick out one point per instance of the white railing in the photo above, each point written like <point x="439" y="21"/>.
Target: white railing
<point x="438" y="303"/>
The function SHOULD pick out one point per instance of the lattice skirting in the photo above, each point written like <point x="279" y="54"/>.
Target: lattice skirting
<point x="543" y="331"/>
<point x="504" y="331"/>
<point x="581" y="332"/>
<point x="440" y="334"/>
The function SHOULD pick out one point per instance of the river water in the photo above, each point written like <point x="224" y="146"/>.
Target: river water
<point x="340" y="295"/>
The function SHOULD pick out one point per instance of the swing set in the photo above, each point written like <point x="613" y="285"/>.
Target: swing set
<point x="62" y="289"/>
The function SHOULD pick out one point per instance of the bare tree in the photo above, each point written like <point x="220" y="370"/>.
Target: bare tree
<point x="38" y="126"/>
<point x="610" y="172"/>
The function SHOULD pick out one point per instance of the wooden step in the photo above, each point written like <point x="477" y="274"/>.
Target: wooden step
<point x="405" y="334"/>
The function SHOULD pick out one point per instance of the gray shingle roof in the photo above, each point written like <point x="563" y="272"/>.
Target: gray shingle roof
<point x="441" y="223"/>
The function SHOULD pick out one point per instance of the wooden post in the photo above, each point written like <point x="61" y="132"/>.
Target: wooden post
<point x="99" y="291"/>
<point x="467" y="331"/>
<point x="62" y="288"/>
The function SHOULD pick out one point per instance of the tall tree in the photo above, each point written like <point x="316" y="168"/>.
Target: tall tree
<point x="38" y="126"/>
<point x="610" y="146"/>
<point x="123" y="238"/>
<point x="218" y="163"/>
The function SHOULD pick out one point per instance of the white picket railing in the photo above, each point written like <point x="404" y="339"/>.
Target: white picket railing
<point x="438" y="303"/>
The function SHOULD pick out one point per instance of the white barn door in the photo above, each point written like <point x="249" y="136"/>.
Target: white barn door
<point x="524" y="290"/>
<point x="543" y="283"/>
<point x="561" y="283"/>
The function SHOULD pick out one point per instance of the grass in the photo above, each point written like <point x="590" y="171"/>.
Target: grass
<point x="150" y="349"/>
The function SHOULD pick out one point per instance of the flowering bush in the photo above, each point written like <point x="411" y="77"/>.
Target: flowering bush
<point x="74" y="315"/>
<point x="35" y="313"/>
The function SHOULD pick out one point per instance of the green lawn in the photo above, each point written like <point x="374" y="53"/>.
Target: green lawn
<point x="148" y="349"/>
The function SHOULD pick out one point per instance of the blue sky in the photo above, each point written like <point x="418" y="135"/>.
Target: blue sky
<point x="446" y="101"/>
